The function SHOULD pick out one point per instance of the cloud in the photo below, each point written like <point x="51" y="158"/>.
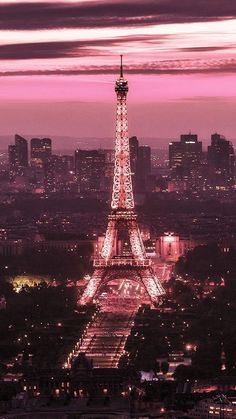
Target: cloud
<point x="30" y="16"/>
<point x="58" y="49"/>
<point x="43" y="50"/>
<point x="155" y="67"/>
<point x="203" y="49"/>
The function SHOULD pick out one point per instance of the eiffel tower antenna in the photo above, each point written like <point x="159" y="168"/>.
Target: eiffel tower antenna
<point x="121" y="66"/>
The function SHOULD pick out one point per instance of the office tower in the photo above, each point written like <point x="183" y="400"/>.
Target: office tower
<point x="50" y="166"/>
<point x="175" y="154"/>
<point x="185" y="154"/>
<point x="18" y="156"/>
<point x="144" y="159"/>
<point x="143" y="167"/>
<point x="58" y="172"/>
<point x="89" y="169"/>
<point x="133" y="146"/>
<point x="220" y="159"/>
<point x="67" y="163"/>
<point x="109" y="169"/>
<point x="41" y="149"/>
<point x="22" y="150"/>
<point x="12" y="158"/>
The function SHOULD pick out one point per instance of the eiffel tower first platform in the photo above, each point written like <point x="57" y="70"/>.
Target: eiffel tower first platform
<point x="130" y="263"/>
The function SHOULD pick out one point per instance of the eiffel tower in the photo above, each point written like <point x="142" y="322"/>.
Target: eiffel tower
<point x="114" y="263"/>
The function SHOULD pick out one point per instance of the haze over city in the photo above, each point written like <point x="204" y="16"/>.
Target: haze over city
<point x="59" y="63"/>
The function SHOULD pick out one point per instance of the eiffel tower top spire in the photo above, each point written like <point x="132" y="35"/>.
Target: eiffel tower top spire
<point x="121" y="66"/>
<point x="121" y="86"/>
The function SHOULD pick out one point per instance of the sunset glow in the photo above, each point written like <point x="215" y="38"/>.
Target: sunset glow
<point x="68" y="51"/>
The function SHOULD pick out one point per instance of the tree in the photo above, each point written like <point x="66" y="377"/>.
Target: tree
<point x="164" y="367"/>
<point x="202" y="262"/>
<point x="186" y="372"/>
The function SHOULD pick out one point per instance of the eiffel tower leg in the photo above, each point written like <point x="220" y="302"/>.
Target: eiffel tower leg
<point x="92" y="287"/>
<point x="136" y="242"/>
<point x="152" y="285"/>
<point x="109" y="241"/>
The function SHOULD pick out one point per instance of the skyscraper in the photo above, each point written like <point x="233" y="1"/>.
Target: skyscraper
<point x="143" y="167"/>
<point x="185" y="154"/>
<point x="220" y="159"/>
<point x="12" y="159"/>
<point x="50" y="173"/>
<point x="18" y="156"/>
<point x="22" y="150"/>
<point x="133" y="146"/>
<point x="41" y="149"/>
<point x="58" y="173"/>
<point x="89" y="169"/>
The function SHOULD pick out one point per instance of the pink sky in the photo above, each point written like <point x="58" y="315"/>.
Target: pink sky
<point x="58" y="67"/>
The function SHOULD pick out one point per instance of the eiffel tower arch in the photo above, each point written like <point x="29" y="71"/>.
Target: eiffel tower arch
<point x="130" y="263"/>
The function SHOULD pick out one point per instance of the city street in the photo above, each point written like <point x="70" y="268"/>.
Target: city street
<point x="104" y="339"/>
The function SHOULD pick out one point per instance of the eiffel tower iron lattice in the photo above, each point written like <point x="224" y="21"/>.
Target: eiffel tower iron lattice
<point x="112" y="264"/>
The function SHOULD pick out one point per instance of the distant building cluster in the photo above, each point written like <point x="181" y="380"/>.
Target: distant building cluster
<point x="190" y="167"/>
<point x="33" y="167"/>
<point x="38" y="170"/>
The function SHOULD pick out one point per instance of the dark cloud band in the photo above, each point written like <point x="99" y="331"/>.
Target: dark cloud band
<point x="69" y="49"/>
<point x="31" y="16"/>
<point x="65" y="49"/>
<point x="42" y="50"/>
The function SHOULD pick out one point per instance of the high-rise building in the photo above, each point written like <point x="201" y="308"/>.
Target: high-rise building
<point x="140" y="164"/>
<point x="12" y="158"/>
<point x="58" y="173"/>
<point x="22" y="150"/>
<point x="143" y="167"/>
<point x="41" y="149"/>
<point x="89" y="169"/>
<point x="220" y="159"/>
<point x="144" y="159"/>
<point x="68" y="163"/>
<point x="186" y="153"/>
<point x="109" y="169"/>
<point x="18" y="156"/>
<point x="133" y="147"/>
<point x="50" y="173"/>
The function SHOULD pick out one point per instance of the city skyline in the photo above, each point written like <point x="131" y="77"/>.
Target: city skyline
<point x="58" y="66"/>
<point x="67" y="144"/>
<point x="117" y="256"/>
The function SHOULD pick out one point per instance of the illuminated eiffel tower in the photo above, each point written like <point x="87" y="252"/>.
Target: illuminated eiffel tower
<point x="113" y="263"/>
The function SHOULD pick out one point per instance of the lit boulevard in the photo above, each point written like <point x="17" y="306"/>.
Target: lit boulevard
<point x="104" y="338"/>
